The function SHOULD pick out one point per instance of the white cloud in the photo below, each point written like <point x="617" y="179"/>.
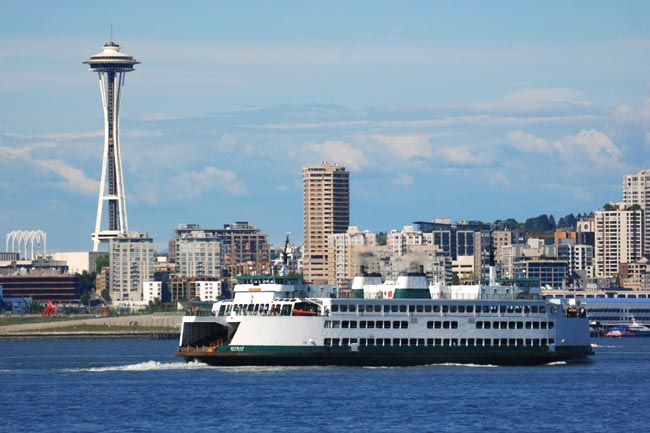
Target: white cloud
<point x="634" y="114"/>
<point x="339" y="152"/>
<point x="402" y="179"/>
<point x="406" y="147"/>
<point x="75" y="179"/>
<point x="528" y="142"/>
<point x="225" y="143"/>
<point x="593" y="144"/>
<point x="535" y="99"/>
<point x="196" y="183"/>
<point x="58" y="136"/>
<point x="460" y="155"/>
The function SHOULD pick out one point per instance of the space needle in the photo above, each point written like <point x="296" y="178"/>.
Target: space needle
<point x="111" y="65"/>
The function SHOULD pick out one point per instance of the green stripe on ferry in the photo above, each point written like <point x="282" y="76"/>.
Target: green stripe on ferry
<point x="411" y="294"/>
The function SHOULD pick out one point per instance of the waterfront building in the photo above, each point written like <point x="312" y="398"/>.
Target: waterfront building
<point x="131" y="258"/>
<point x="636" y="191"/>
<point x="208" y="291"/>
<point x="341" y="247"/>
<point x="578" y="257"/>
<point x="551" y="273"/>
<point x="78" y="261"/>
<point x="194" y="288"/>
<point x="198" y="253"/>
<point x="60" y="289"/>
<point x="111" y="66"/>
<point x="151" y="290"/>
<point x="618" y="239"/>
<point x="326" y="211"/>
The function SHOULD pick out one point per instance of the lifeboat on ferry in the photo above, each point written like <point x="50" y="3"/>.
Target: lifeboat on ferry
<point x="298" y="312"/>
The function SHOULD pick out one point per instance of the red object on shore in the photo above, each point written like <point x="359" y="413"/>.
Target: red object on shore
<point x="104" y="310"/>
<point x="49" y="310"/>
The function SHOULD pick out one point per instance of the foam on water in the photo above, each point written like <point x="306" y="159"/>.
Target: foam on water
<point x="148" y="366"/>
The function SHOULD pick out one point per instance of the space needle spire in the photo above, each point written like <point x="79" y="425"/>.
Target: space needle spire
<point x="111" y="65"/>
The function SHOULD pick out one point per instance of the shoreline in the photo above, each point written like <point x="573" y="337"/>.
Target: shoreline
<point x="34" y="336"/>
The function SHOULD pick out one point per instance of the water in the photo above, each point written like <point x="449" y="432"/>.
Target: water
<point x="138" y="386"/>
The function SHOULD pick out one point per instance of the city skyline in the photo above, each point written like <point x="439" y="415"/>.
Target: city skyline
<point x="437" y="110"/>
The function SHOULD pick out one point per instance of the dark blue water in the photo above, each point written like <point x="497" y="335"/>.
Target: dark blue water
<point x="138" y="386"/>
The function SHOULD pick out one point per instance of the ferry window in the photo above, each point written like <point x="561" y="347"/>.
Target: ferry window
<point x="470" y="308"/>
<point x="445" y="324"/>
<point x="511" y="325"/>
<point x="377" y="308"/>
<point x="528" y="325"/>
<point x="345" y="324"/>
<point x="405" y="341"/>
<point x="362" y="342"/>
<point x="250" y="307"/>
<point x="411" y="308"/>
<point x="445" y="341"/>
<point x="529" y="342"/>
<point x="402" y="308"/>
<point x="486" y="325"/>
<point x="328" y="342"/>
<point x="327" y="324"/>
<point x="504" y="342"/>
<point x="543" y="325"/>
<point x="454" y="325"/>
<point x="430" y="324"/>
<point x="438" y="324"/>
<point x="461" y="308"/>
<point x="427" y="308"/>
<point x="551" y="325"/>
<point x="335" y="341"/>
<point x="470" y="341"/>
<point x="551" y="341"/>
<point x="554" y="309"/>
<point x="544" y="342"/>
<point x="386" y="324"/>
<point x="353" y="340"/>
<point x="463" y="342"/>
<point x="286" y="310"/>
<point x="352" y="308"/>
<point x="420" y="308"/>
<point x="396" y="324"/>
<point x="504" y="325"/>
<point x="542" y="309"/>
<point x="445" y="308"/>
<point x="535" y="325"/>
<point x="379" y="342"/>
<point x="394" y="308"/>
<point x="520" y="342"/>
<point x="420" y="341"/>
<point x="429" y="341"/>
<point x="438" y="341"/>
<point x="494" y="309"/>
<point x="257" y="307"/>
<point x="479" y="342"/>
<point x="345" y="342"/>
<point x="386" y="308"/>
<point x="436" y="308"/>
<point x="362" y="324"/>
<point x="495" y="325"/>
<point x="379" y="324"/>
<point x="535" y="341"/>
<point x="533" y="309"/>
<point x="452" y="308"/>
<point x="518" y="309"/>
<point x="479" y="325"/>
<point x="405" y="324"/>
<point x="335" y="308"/>
<point x="511" y="308"/>
<point x="520" y="325"/>
<point x="413" y="342"/>
<point x="368" y="308"/>
<point x="371" y="324"/>
<point x="512" y="342"/>
<point x="336" y="324"/>
<point x="353" y="323"/>
<point x="222" y="310"/>
<point x="371" y="342"/>
<point x="395" y="341"/>
<point x="502" y="309"/>
<point x="344" y="308"/>
<point x="486" y="308"/>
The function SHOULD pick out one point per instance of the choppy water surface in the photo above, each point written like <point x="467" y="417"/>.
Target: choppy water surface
<point x="138" y="386"/>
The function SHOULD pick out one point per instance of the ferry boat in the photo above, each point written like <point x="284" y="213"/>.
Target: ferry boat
<point x="278" y="320"/>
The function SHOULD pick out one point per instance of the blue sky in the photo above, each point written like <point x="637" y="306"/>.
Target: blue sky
<point x="466" y="110"/>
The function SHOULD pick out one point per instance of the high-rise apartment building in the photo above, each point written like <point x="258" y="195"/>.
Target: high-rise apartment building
<point x="636" y="191"/>
<point x="341" y="247"/>
<point x="198" y="253"/>
<point x="326" y="210"/>
<point x="132" y="258"/>
<point x="618" y="239"/>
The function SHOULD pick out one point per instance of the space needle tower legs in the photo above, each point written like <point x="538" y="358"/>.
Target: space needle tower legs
<point x="111" y="66"/>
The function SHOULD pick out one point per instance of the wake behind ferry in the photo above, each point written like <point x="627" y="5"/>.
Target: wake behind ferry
<point x="279" y="320"/>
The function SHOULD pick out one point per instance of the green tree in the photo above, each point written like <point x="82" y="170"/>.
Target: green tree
<point x="106" y="295"/>
<point x="381" y="238"/>
<point x="634" y="207"/>
<point x="608" y="207"/>
<point x="101" y="261"/>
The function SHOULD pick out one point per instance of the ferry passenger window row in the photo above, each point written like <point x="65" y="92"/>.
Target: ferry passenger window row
<point x="496" y="324"/>
<point x="444" y="342"/>
<point x="442" y="324"/>
<point x="437" y="308"/>
<point x="367" y="324"/>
